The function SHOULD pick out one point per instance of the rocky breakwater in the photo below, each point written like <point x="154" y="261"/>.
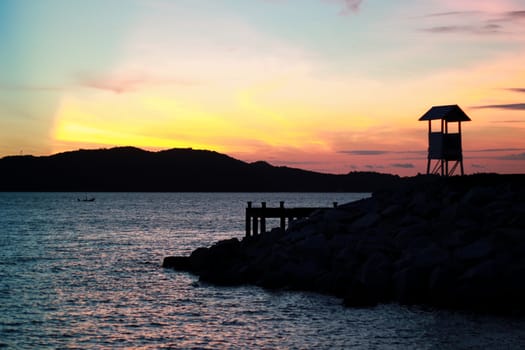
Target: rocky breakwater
<point x="449" y="242"/>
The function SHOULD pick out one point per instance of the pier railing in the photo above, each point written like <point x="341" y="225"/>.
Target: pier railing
<point x="256" y="216"/>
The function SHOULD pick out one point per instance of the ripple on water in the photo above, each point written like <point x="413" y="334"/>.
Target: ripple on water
<point x="89" y="277"/>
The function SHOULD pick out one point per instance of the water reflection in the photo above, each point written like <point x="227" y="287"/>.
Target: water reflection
<point x="89" y="277"/>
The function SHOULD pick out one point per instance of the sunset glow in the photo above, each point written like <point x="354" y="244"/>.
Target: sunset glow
<point x="332" y="86"/>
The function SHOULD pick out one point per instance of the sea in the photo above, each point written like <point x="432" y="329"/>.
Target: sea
<point x="88" y="275"/>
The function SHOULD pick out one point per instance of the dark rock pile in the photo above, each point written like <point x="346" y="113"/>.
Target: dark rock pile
<point x="455" y="243"/>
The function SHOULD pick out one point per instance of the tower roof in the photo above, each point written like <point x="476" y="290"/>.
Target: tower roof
<point x="449" y="113"/>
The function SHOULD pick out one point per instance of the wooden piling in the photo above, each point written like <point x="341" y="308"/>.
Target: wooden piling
<point x="255" y="225"/>
<point x="258" y="216"/>
<point x="263" y="218"/>
<point x="248" y="219"/>
<point x="283" y="219"/>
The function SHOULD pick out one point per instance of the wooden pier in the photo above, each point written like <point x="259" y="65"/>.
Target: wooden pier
<point x="256" y="216"/>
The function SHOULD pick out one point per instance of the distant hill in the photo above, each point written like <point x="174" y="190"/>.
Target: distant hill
<point x="174" y="170"/>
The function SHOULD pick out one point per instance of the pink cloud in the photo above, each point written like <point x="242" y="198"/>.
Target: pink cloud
<point x="488" y="6"/>
<point x="347" y="6"/>
<point x="127" y="82"/>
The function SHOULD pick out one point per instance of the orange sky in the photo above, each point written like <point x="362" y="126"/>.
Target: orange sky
<point x="332" y="86"/>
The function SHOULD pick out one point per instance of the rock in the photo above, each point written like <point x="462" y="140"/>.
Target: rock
<point x="393" y="210"/>
<point x="451" y="242"/>
<point x="300" y="232"/>
<point x="272" y="279"/>
<point x="346" y="260"/>
<point x="454" y="239"/>
<point x="430" y="257"/>
<point x="313" y="248"/>
<point x="449" y="213"/>
<point x="369" y="245"/>
<point x="218" y="264"/>
<point x="411" y="285"/>
<point x="442" y="285"/>
<point x="376" y="275"/>
<point x="359" y="295"/>
<point x="337" y="214"/>
<point x="518" y="249"/>
<point x="478" y="196"/>
<point x="408" y="234"/>
<point x="301" y="275"/>
<point x="181" y="263"/>
<point x="484" y="271"/>
<point x="513" y="281"/>
<point x="338" y="243"/>
<point x="199" y="259"/>
<point x="513" y="235"/>
<point x="481" y="248"/>
<point x="366" y="221"/>
<point x="423" y="210"/>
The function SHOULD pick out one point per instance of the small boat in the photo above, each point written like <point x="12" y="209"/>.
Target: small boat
<point x="86" y="199"/>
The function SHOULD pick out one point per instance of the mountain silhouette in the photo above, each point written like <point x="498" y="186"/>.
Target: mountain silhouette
<point x="174" y="170"/>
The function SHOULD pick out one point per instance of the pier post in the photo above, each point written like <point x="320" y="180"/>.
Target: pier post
<point x="263" y="218"/>
<point x="256" y="216"/>
<point x="248" y="221"/>
<point x="255" y="224"/>
<point x="282" y="218"/>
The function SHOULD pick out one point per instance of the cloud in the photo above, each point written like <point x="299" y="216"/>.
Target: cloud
<point x="478" y="166"/>
<point x="381" y="152"/>
<point x="502" y="16"/>
<point x="365" y="152"/>
<point x="279" y="162"/>
<point x="487" y="23"/>
<point x="30" y="88"/>
<point x="126" y="82"/>
<point x="117" y="86"/>
<point x="515" y="15"/>
<point x="516" y="89"/>
<point x="450" y="13"/>
<point x="517" y="156"/>
<point x="508" y="106"/>
<point x="497" y="150"/>
<point x="489" y="28"/>
<point x="347" y="6"/>
<point x="11" y="109"/>
<point x="507" y="121"/>
<point x="372" y="167"/>
<point x="403" y="165"/>
<point x="517" y="153"/>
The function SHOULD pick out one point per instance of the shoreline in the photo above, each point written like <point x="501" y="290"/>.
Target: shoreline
<point x="454" y="243"/>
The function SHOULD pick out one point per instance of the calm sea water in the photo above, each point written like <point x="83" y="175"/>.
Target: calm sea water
<point x="87" y="275"/>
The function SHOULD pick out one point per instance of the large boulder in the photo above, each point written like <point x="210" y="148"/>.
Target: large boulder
<point x="481" y="248"/>
<point x="411" y="285"/>
<point x="376" y="275"/>
<point x="181" y="263"/>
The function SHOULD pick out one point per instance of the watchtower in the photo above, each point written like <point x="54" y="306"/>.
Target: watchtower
<point x="443" y="145"/>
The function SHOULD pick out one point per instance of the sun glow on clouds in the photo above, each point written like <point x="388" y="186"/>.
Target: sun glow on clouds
<point x="244" y="79"/>
<point x="295" y="117"/>
<point x="243" y="99"/>
<point x="122" y="121"/>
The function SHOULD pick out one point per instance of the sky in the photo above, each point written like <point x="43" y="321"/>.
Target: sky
<point x="326" y="85"/>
